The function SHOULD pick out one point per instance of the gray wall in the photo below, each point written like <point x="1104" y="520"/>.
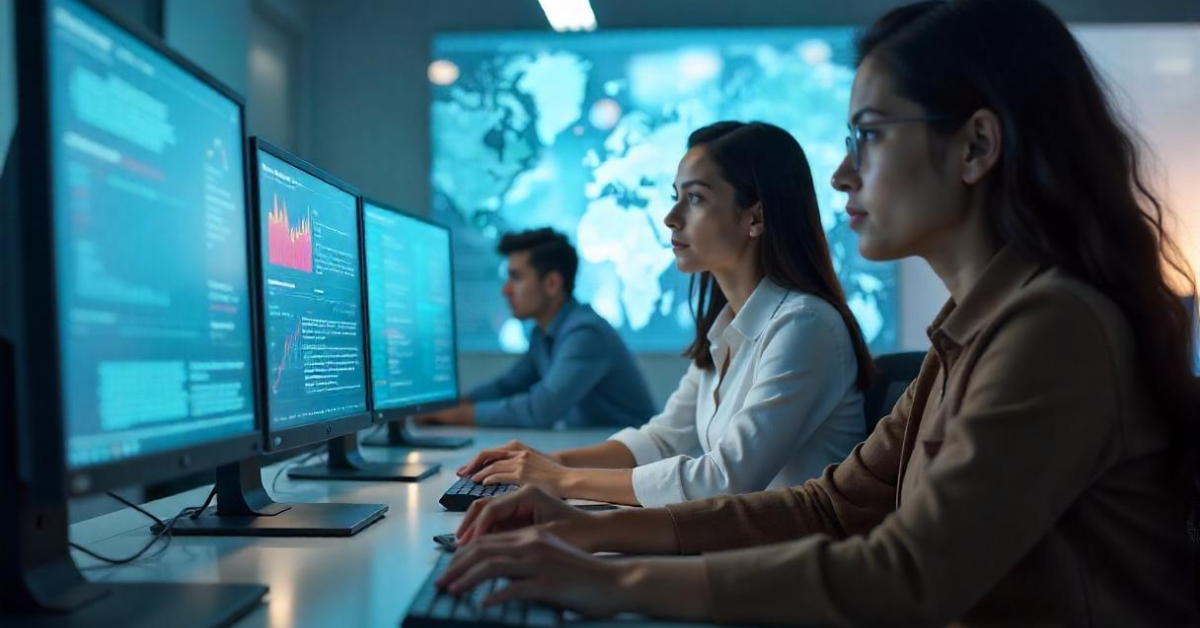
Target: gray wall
<point x="214" y="34"/>
<point x="370" y="116"/>
<point x="218" y="35"/>
<point x="143" y="13"/>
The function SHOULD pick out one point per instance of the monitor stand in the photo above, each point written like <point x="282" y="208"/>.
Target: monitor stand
<point x="244" y="509"/>
<point x="40" y="586"/>
<point x="142" y="604"/>
<point x="347" y="463"/>
<point x="398" y="436"/>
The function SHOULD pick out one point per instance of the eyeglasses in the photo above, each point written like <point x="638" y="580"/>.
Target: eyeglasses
<point x="855" y="139"/>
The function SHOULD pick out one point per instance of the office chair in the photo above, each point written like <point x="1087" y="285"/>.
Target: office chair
<point x="896" y="372"/>
<point x="1193" y="532"/>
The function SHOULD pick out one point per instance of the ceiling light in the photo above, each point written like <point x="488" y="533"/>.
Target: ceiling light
<point x="569" y="15"/>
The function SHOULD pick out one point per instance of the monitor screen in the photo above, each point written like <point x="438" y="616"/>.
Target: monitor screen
<point x="410" y="293"/>
<point x="150" y="246"/>
<point x="316" y="369"/>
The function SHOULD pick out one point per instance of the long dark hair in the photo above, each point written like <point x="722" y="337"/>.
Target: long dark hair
<point x="765" y="164"/>
<point x="1068" y="189"/>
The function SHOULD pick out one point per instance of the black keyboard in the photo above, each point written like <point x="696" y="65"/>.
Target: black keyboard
<point x="459" y="497"/>
<point x="435" y="609"/>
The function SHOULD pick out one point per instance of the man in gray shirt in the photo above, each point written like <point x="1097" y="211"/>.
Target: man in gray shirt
<point x="577" y="372"/>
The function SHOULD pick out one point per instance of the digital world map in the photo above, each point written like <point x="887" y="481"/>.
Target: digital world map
<point x="584" y="134"/>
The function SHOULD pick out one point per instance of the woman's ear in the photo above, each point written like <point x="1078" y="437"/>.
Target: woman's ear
<point x="983" y="146"/>
<point x="756" y="220"/>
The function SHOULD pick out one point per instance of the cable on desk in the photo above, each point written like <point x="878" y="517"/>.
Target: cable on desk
<point x="134" y="506"/>
<point x="163" y="530"/>
<point x="294" y="462"/>
<point x="207" y="500"/>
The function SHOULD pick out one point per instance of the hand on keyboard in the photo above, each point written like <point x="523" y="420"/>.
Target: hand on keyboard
<point x="434" y="608"/>
<point x="538" y="567"/>
<point x="525" y="468"/>
<point x="485" y="457"/>
<point x="528" y="506"/>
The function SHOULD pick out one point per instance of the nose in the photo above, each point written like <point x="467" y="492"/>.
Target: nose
<point x="845" y="178"/>
<point x="673" y="219"/>
<point x="507" y="289"/>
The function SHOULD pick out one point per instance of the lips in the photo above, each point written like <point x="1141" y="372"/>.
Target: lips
<point x="856" y="216"/>
<point x="678" y="244"/>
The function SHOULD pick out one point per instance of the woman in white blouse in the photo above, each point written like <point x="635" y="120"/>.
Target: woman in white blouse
<point x="774" y="391"/>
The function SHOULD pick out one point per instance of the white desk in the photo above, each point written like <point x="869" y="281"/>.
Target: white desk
<point x="366" y="580"/>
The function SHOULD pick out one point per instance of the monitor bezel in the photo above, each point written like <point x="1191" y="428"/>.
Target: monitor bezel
<point x="312" y="433"/>
<point x="41" y="419"/>
<point x="399" y="413"/>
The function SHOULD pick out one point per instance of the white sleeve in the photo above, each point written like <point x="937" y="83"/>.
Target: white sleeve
<point x="799" y="379"/>
<point x="671" y="432"/>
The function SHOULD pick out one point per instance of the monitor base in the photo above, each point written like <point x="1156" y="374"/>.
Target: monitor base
<point x="347" y="463"/>
<point x="398" y="436"/>
<point x="295" y="520"/>
<point x="179" y="605"/>
<point x="244" y="509"/>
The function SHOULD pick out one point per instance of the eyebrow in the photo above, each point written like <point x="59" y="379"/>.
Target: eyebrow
<point x="854" y="119"/>
<point x="694" y="182"/>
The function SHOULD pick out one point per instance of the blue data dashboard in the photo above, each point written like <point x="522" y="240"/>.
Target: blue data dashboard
<point x="410" y="292"/>
<point x="155" y="340"/>
<point x="315" y="362"/>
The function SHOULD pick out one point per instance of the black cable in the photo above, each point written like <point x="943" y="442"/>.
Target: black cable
<point x="207" y="501"/>
<point x="294" y="462"/>
<point x="134" y="506"/>
<point x="165" y="529"/>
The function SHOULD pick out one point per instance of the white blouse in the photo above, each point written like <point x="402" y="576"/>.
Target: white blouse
<point x="788" y="405"/>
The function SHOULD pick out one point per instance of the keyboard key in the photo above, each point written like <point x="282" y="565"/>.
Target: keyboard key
<point x="432" y="608"/>
<point x="463" y="492"/>
<point x="542" y="617"/>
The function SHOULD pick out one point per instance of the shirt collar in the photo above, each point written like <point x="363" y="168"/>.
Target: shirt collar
<point x="1007" y="272"/>
<point x="560" y="318"/>
<point x="751" y="321"/>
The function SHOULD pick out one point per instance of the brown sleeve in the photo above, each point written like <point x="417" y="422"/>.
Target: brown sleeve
<point x="1037" y="424"/>
<point x="849" y="498"/>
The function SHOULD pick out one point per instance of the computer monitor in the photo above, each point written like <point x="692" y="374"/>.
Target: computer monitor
<point x="410" y="296"/>
<point x="134" y="357"/>
<point x="310" y="268"/>
<point x="309" y="271"/>
<point x="308" y="274"/>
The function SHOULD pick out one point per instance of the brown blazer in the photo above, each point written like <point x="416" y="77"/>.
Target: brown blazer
<point x="1023" y="479"/>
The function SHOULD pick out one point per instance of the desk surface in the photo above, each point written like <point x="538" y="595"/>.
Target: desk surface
<point x="365" y="580"/>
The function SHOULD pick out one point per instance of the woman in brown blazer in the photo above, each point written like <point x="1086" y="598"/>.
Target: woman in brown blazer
<point x="1038" y="470"/>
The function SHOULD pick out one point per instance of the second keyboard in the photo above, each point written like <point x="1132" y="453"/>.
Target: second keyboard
<point x="459" y="497"/>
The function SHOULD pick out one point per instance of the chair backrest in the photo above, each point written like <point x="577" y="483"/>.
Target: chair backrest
<point x="1193" y="532"/>
<point x="896" y="372"/>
